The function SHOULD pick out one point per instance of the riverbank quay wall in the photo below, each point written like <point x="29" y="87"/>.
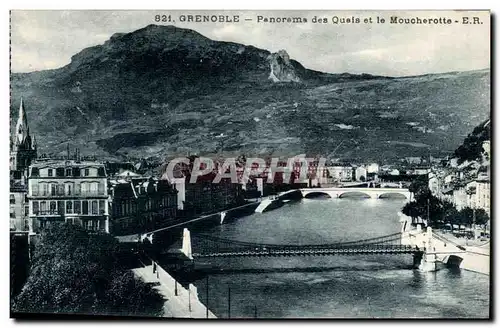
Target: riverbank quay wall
<point x="476" y="259"/>
<point x="180" y="302"/>
<point x="439" y="249"/>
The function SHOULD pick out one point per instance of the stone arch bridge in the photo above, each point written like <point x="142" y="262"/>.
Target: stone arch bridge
<point x="366" y="192"/>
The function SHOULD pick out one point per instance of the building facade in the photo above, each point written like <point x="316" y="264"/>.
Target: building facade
<point x="483" y="192"/>
<point x="141" y="203"/>
<point x="340" y="173"/>
<point x="372" y="168"/>
<point x="68" y="191"/>
<point x="19" y="208"/>
<point x="360" y="173"/>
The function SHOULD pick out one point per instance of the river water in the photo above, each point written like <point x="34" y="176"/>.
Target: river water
<point x="381" y="286"/>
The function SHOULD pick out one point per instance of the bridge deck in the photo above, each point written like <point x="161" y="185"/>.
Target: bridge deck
<point x="399" y="249"/>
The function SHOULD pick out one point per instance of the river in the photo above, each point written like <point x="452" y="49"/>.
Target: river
<point x="382" y="286"/>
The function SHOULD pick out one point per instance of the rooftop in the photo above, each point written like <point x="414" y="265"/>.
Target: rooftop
<point x="65" y="163"/>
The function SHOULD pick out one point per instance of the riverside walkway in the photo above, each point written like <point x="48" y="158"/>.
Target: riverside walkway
<point x="179" y="301"/>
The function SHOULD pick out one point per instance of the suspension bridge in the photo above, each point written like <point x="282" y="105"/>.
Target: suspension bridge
<point x="206" y="246"/>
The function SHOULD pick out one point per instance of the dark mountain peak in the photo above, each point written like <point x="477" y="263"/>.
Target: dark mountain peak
<point x="166" y="33"/>
<point x="147" y="40"/>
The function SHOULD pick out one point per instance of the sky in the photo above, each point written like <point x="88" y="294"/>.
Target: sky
<point x="47" y="39"/>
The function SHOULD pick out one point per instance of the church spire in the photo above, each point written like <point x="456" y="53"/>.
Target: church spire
<point x="22" y="130"/>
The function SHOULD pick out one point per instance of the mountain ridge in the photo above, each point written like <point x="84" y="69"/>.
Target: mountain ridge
<point x="165" y="91"/>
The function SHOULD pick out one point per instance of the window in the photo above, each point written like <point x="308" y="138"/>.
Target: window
<point x="60" y="207"/>
<point x="100" y="172"/>
<point x="60" y="190"/>
<point x="100" y="188"/>
<point x="60" y="172"/>
<point x="53" y="207"/>
<point x="87" y="172"/>
<point x="77" y="189"/>
<point x="45" y="189"/>
<point x="69" y="188"/>
<point x="43" y="206"/>
<point x="84" y="188"/>
<point x="85" y="207"/>
<point x="26" y="210"/>
<point x="50" y="173"/>
<point x="35" y="172"/>
<point x="68" y="172"/>
<point x="94" y="207"/>
<point x="76" y="172"/>
<point x="53" y="189"/>
<point x="69" y="207"/>
<point x="35" y="208"/>
<point x="77" y="207"/>
<point x="12" y="199"/>
<point x="12" y="214"/>
<point x="102" y="207"/>
<point x="93" y="188"/>
<point x="34" y="189"/>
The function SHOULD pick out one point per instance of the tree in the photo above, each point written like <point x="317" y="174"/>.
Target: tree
<point x="466" y="216"/>
<point x="481" y="216"/>
<point x="77" y="272"/>
<point x="450" y="213"/>
<point x="419" y="186"/>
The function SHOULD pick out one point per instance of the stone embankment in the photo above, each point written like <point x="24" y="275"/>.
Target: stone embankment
<point x="179" y="301"/>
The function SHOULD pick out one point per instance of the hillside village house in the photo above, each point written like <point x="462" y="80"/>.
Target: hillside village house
<point x="394" y="172"/>
<point x="360" y="173"/>
<point x="340" y="172"/>
<point x="372" y="168"/>
<point x="74" y="191"/>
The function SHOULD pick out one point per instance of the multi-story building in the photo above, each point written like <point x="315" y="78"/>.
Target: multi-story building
<point x="360" y="173"/>
<point x="204" y="196"/>
<point x="23" y="151"/>
<point x="340" y="172"/>
<point x="483" y="193"/>
<point x="19" y="207"/>
<point x="141" y="203"/>
<point x="372" y="168"/>
<point x="71" y="190"/>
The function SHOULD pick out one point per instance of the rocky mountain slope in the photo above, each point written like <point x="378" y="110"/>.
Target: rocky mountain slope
<point x="163" y="91"/>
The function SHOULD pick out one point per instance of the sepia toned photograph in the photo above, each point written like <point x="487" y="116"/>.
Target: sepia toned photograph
<point x="250" y="165"/>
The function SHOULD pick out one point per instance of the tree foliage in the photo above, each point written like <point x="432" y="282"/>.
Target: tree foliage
<point x="438" y="212"/>
<point x="472" y="147"/>
<point x="76" y="272"/>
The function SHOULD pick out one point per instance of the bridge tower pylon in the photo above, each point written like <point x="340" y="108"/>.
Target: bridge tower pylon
<point x="186" y="244"/>
<point x="222" y="216"/>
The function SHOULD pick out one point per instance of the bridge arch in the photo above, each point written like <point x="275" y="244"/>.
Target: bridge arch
<point x="353" y="194"/>
<point x="454" y="261"/>
<point x="317" y="194"/>
<point x="392" y="195"/>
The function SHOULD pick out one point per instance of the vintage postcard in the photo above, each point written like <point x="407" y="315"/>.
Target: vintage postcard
<point x="250" y="164"/>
